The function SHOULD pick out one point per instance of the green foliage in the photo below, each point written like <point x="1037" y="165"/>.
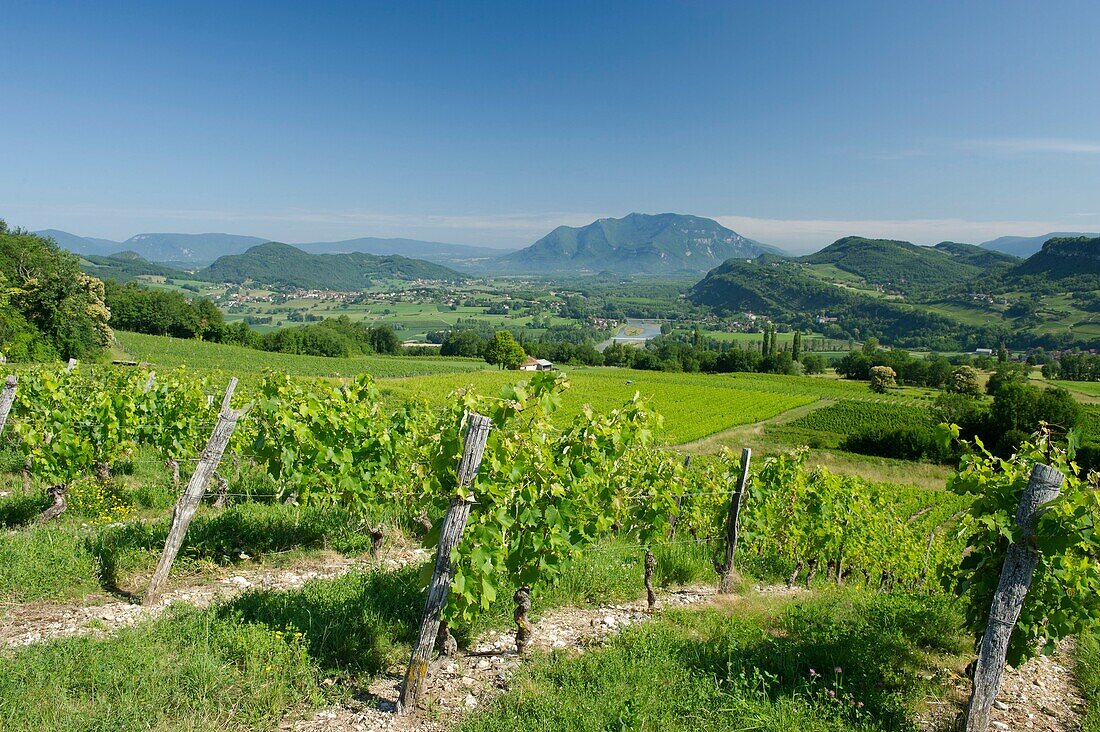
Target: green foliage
<point x="1064" y="598"/>
<point x="48" y="307"/>
<point x="503" y="350"/>
<point x="882" y="378"/>
<point x="163" y="312"/>
<point x="1088" y="675"/>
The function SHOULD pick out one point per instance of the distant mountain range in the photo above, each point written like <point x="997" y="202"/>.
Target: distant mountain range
<point x="1025" y="246"/>
<point x="637" y="243"/>
<point x="190" y="251"/>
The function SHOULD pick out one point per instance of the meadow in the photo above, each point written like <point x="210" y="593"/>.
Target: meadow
<point x="165" y="352"/>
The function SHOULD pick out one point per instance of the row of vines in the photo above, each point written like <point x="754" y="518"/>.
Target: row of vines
<point x="547" y="491"/>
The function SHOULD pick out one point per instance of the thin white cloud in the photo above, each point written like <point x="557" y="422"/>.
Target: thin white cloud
<point x="1034" y="145"/>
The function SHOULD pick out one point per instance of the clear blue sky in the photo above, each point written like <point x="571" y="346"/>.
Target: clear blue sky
<point x="492" y="122"/>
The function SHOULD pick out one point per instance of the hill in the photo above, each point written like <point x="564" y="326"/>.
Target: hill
<point x="451" y="255"/>
<point x="80" y="244"/>
<point x="789" y="291"/>
<point x="1025" y="246"/>
<point x="899" y="266"/>
<point x="283" y="265"/>
<point x="1063" y="258"/>
<point x="637" y="243"/>
<point x="125" y="266"/>
<point x="988" y="259"/>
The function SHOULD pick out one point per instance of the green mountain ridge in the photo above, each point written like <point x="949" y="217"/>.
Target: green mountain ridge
<point x="280" y="264"/>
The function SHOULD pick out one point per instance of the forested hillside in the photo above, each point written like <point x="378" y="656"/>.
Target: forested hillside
<point x="281" y="264"/>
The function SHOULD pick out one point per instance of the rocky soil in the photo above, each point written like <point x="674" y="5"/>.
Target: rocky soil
<point x="1040" y="695"/>
<point x="471" y="680"/>
<point x="28" y="623"/>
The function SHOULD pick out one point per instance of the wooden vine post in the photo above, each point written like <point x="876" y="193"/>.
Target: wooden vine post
<point x="454" y="523"/>
<point x="728" y="578"/>
<point x="192" y="495"/>
<point x="7" y="399"/>
<point x="1021" y="559"/>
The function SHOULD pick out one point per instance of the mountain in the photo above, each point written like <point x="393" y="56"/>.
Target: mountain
<point x="637" y="243"/>
<point x="80" y="244"/>
<point x="1063" y="257"/>
<point x="1025" y="246"/>
<point x="283" y="265"/>
<point x="900" y="266"/>
<point x="188" y="249"/>
<point x="452" y="255"/>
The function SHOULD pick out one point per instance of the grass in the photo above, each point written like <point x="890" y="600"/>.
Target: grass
<point x="693" y="405"/>
<point x="737" y="668"/>
<point x="188" y="671"/>
<point x="1088" y="675"/>
<point x="67" y="561"/>
<point x="165" y="352"/>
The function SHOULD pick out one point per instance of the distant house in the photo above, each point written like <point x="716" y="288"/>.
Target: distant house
<point x="983" y="351"/>
<point x="536" y="364"/>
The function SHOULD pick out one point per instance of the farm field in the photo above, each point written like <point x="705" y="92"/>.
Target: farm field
<point x="693" y="405"/>
<point x="165" y="352"/>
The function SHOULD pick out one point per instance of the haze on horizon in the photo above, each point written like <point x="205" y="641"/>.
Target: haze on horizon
<point x="492" y="123"/>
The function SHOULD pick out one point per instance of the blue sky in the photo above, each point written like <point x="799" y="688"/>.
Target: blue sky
<point x="490" y="123"/>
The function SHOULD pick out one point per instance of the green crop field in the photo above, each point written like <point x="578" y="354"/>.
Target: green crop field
<point x="848" y="417"/>
<point x="174" y="352"/>
<point x="1090" y="388"/>
<point x="693" y="405"/>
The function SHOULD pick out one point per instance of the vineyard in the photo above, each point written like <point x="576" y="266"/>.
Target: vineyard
<point x="531" y="498"/>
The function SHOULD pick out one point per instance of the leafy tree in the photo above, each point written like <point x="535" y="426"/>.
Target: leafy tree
<point x="964" y="380"/>
<point x="463" y="343"/>
<point x="51" y="309"/>
<point x="504" y="351"/>
<point x="882" y="378"/>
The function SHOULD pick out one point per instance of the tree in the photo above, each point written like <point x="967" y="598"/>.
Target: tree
<point x="882" y="378"/>
<point x="796" y="347"/>
<point x="463" y="343"/>
<point x="964" y="380"/>
<point x="504" y="351"/>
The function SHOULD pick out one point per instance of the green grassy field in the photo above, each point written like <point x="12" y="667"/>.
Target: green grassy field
<point x="693" y="405"/>
<point x="175" y="352"/>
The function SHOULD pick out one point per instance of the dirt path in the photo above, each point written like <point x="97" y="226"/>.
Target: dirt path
<point x="27" y="623"/>
<point x="468" y="682"/>
<point x="750" y="434"/>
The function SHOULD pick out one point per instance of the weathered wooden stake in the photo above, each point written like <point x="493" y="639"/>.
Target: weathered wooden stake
<point x="189" y="501"/>
<point x="728" y="577"/>
<point x="454" y="523"/>
<point x="70" y="366"/>
<point x="149" y="381"/>
<point x="1019" y="567"/>
<point x="229" y="394"/>
<point x="7" y="399"/>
